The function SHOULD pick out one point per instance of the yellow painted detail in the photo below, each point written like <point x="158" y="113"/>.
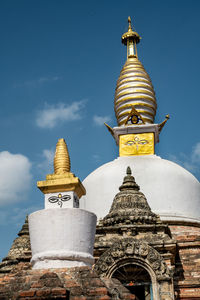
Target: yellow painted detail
<point x="61" y="158"/>
<point x="136" y="144"/>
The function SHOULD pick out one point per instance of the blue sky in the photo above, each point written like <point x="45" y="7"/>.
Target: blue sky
<point x="59" y="64"/>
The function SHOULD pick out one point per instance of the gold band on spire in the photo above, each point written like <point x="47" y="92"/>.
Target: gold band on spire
<point x="61" y="159"/>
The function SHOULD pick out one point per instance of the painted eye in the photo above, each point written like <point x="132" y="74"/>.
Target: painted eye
<point x="130" y="143"/>
<point x="143" y="142"/>
<point x="66" y="198"/>
<point x="53" y="199"/>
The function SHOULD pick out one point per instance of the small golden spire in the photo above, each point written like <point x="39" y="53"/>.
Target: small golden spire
<point x="130" y="34"/>
<point x="129" y="24"/>
<point x="130" y="39"/>
<point x="61" y="159"/>
<point x="62" y="179"/>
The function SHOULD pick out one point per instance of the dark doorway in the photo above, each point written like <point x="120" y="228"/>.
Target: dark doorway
<point x="136" y="279"/>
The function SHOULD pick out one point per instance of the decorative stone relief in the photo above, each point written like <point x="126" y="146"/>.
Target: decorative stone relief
<point x="127" y="249"/>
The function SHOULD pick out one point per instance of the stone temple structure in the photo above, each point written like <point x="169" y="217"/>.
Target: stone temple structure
<point x="147" y="242"/>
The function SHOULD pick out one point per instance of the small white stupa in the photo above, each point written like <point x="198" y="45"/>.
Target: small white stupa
<point x="62" y="235"/>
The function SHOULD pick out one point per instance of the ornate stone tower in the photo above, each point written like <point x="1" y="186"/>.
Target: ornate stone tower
<point x="134" y="246"/>
<point x="20" y="252"/>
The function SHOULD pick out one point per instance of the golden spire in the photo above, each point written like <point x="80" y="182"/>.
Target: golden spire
<point x="61" y="158"/>
<point x="135" y="104"/>
<point x="62" y="180"/>
<point x="134" y="88"/>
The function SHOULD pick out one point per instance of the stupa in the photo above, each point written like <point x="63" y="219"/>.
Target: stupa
<point x="172" y="192"/>
<point x="62" y="235"/>
<point x="136" y="135"/>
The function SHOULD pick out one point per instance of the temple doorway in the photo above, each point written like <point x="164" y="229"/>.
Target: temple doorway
<point x="136" y="279"/>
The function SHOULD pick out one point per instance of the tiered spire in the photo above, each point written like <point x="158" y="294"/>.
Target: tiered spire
<point x="129" y="182"/>
<point x="130" y="205"/>
<point x="135" y="104"/>
<point x="20" y="250"/>
<point x="61" y="159"/>
<point x="134" y="87"/>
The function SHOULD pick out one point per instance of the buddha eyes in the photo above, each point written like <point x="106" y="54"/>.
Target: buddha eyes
<point x="136" y="141"/>
<point x="130" y="143"/>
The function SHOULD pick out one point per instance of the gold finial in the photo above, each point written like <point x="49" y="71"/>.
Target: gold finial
<point x="130" y="34"/>
<point x="129" y="23"/>
<point x="130" y="39"/>
<point x="62" y="180"/>
<point x="61" y="159"/>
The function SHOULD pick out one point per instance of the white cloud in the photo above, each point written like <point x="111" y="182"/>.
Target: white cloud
<point x="100" y="120"/>
<point x="52" y="115"/>
<point x="15" y="177"/>
<point x="190" y="162"/>
<point x="46" y="164"/>
<point x="35" y="82"/>
<point x="196" y="153"/>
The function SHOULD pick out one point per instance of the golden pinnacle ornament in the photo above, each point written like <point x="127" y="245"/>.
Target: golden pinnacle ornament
<point x="62" y="180"/>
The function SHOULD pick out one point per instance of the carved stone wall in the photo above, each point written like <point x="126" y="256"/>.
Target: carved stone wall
<point x="131" y="251"/>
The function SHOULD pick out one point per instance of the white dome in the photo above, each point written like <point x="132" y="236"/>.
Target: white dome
<point x="171" y="191"/>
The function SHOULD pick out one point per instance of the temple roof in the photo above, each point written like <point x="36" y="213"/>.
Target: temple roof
<point x="20" y="250"/>
<point x="130" y="205"/>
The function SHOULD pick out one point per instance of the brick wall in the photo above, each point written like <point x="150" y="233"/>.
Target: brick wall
<point x="187" y="265"/>
<point x="74" y="284"/>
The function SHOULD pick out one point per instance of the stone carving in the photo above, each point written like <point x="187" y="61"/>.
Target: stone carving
<point x="130" y="206"/>
<point x="127" y="249"/>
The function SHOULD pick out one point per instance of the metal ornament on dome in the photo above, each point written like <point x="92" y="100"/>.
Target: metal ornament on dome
<point x="134" y="87"/>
